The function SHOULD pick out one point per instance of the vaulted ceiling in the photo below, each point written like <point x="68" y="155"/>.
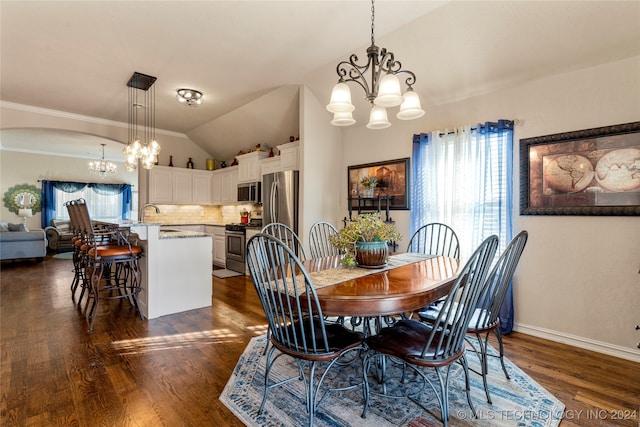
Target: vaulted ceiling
<point x="76" y="57"/>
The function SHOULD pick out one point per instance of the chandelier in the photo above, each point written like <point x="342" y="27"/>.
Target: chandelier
<point x="190" y="97"/>
<point x="102" y="167"/>
<point x="142" y="144"/>
<point x="382" y="92"/>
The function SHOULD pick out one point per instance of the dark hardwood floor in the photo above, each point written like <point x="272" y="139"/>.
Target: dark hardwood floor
<point x="170" y="371"/>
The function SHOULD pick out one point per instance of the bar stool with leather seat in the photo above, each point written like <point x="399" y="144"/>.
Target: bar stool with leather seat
<point x="111" y="266"/>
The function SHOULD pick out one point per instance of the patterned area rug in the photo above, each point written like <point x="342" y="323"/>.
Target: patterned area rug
<point x="516" y="402"/>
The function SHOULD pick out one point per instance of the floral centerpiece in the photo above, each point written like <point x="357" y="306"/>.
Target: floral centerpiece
<point x="367" y="230"/>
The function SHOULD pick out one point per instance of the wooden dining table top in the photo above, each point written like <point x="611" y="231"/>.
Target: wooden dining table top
<point x="401" y="289"/>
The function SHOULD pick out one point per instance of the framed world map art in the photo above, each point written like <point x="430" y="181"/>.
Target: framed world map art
<point x="587" y="172"/>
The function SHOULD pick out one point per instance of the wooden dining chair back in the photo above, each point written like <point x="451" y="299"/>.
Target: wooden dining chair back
<point x="295" y="319"/>
<point x="284" y="233"/>
<point x="486" y="316"/>
<point x="319" y="243"/>
<point x="435" y="239"/>
<point x="441" y="343"/>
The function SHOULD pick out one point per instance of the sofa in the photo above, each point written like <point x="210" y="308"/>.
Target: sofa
<point x="59" y="236"/>
<point x="17" y="242"/>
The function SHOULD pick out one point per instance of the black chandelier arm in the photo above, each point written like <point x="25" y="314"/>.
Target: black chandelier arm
<point x="349" y="71"/>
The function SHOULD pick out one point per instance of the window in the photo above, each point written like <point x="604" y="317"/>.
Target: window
<point x="463" y="178"/>
<point x="103" y="207"/>
<point x="106" y="202"/>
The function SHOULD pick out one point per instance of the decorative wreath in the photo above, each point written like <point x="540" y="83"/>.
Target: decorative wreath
<point x="23" y="196"/>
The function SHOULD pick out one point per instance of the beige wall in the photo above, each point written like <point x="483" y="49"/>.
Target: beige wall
<point x="578" y="280"/>
<point x="27" y="168"/>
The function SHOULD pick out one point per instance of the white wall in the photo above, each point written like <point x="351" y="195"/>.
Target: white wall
<point x="578" y="279"/>
<point x="320" y="173"/>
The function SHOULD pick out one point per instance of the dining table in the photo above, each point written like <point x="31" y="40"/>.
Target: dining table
<point x="407" y="283"/>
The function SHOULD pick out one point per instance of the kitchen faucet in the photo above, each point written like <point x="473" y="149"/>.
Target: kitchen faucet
<point x="146" y="205"/>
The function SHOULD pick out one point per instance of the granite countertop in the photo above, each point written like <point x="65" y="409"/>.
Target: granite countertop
<point x="168" y="233"/>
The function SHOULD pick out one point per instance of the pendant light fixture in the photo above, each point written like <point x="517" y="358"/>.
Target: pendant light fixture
<point x="383" y="91"/>
<point x="102" y="167"/>
<point x="142" y="145"/>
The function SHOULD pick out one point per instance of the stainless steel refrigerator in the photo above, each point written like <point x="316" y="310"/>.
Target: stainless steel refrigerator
<point x="280" y="198"/>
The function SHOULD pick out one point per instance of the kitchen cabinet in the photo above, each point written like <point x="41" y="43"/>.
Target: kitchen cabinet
<point x="289" y="156"/>
<point x="161" y="185"/>
<point x="182" y="185"/>
<point x="202" y="187"/>
<point x="219" y="249"/>
<point x="249" y="166"/>
<point x="230" y="185"/>
<point x="216" y="186"/>
<point x="269" y="165"/>
<point x="179" y="185"/>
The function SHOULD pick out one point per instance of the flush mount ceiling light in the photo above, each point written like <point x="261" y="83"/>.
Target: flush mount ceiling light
<point x="144" y="150"/>
<point x="190" y="97"/>
<point x="382" y="92"/>
<point x="103" y="167"/>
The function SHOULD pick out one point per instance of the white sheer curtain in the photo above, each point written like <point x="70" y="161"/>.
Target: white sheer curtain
<point x="463" y="178"/>
<point x="101" y="207"/>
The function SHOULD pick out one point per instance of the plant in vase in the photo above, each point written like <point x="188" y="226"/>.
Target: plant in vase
<point x="368" y="185"/>
<point x="364" y="240"/>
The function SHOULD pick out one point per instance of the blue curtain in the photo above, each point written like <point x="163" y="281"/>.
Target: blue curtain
<point x="464" y="178"/>
<point x="49" y="195"/>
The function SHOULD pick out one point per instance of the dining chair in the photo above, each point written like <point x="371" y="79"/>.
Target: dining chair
<point x="284" y="233"/>
<point x="437" y="345"/>
<point x="110" y="263"/>
<point x="295" y="318"/>
<point x="319" y="243"/>
<point x="435" y="239"/>
<point x="485" y="318"/>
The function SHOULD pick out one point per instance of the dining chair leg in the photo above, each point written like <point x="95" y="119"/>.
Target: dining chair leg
<point x="496" y="331"/>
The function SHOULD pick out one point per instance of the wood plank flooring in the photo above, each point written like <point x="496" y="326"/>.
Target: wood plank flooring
<point x="170" y="371"/>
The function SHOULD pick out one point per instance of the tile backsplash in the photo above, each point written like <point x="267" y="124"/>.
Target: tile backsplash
<point x="200" y="214"/>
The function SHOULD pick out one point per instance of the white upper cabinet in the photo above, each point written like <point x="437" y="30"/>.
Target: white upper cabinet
<point x="216" y="186"/>
<point x="202" y="187"/>
<point x="230" y="185"/>
<point x="161" y="185"/>
<point x="289" y="156"/>
<point x="249" y="166"/>
<point x="182" y="185"/>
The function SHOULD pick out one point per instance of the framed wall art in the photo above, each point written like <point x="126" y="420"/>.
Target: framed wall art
<point x="379" y="180"/>
<point x="587" y="172"/>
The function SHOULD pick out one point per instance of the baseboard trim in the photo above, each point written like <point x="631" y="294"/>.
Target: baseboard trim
<point x="580" y="342"/>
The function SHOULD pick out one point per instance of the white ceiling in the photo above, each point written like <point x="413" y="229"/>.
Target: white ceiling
<point x="77" y="57"/>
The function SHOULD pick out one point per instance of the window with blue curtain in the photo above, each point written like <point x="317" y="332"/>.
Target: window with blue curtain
<point x="106" y="202"/>
<point x="464" y="178"/>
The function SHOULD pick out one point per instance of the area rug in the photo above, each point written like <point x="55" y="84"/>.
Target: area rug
<point x="223" y="274"/>
<point x="517" y="402"/>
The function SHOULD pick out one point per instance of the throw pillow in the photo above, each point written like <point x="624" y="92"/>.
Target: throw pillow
<point x="17" y="227"/>
<point x="4" y="226"/>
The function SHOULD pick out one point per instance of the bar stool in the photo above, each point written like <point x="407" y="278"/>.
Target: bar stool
<point x="78" y="257"/>
<point x="111" y="266"/>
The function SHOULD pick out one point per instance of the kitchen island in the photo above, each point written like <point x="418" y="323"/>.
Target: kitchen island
<point x="176" y="270"/>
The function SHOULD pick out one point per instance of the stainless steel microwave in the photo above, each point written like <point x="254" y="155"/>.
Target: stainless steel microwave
<point x="249" y="192"/>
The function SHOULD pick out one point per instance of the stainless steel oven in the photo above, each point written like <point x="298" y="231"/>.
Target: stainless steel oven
<point x="234" y="237"/>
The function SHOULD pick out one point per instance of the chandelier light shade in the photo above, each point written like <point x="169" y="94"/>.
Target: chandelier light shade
<point x="382" y="91"/>
<point x="190" y="97"/>
<point x="102" y="167"/>
<point x="142" y="146"/>
<point x="378" y="118"/>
